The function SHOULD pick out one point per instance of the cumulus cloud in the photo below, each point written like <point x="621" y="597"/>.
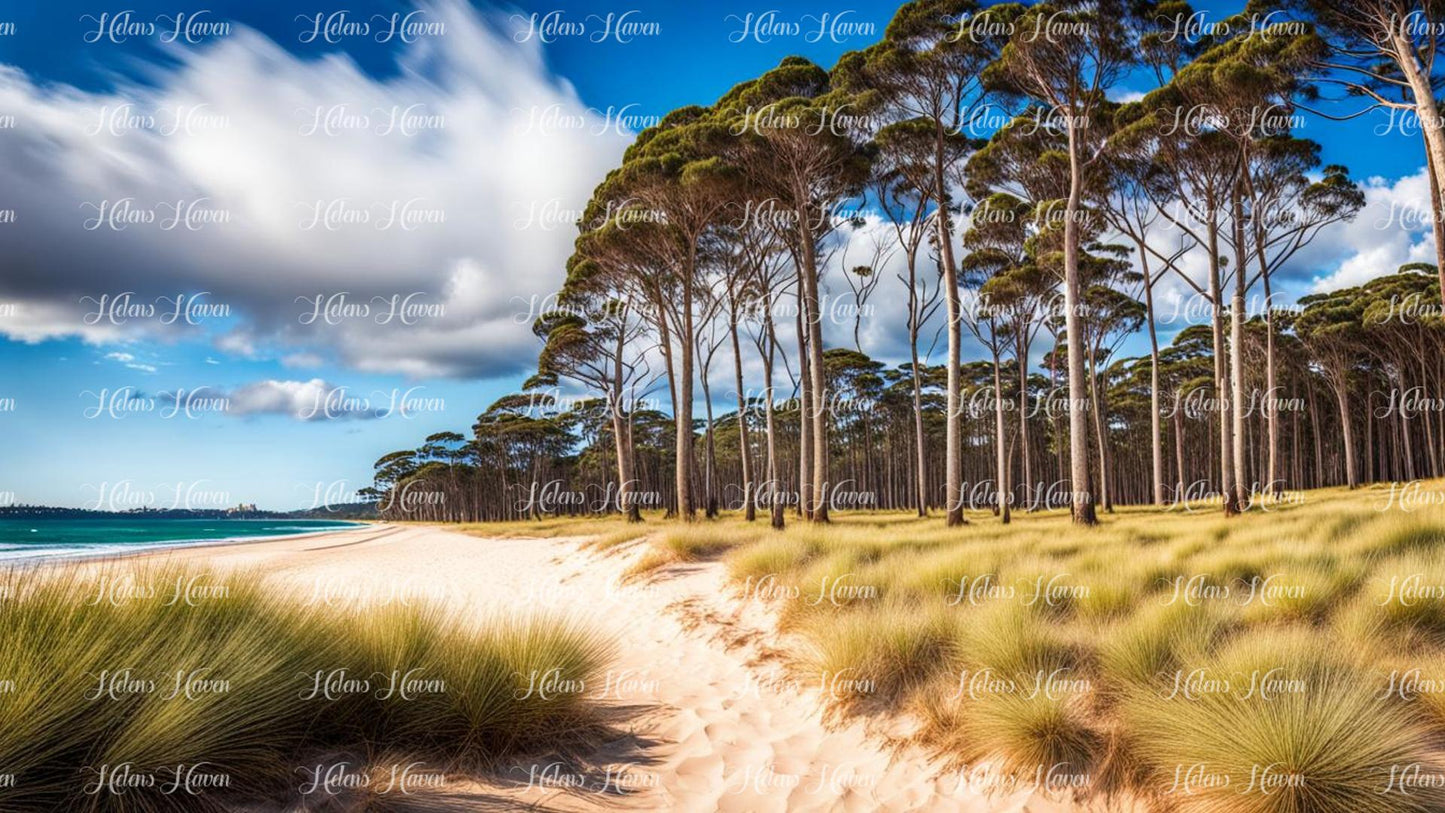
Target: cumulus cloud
<point x="246" y="181"/>
<point x="1393" y="229"/>
<point x="310" y="400"/>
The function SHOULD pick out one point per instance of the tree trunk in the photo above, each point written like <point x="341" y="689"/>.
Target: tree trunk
<point x="626" y="501"/>
<point x="1023" y="365"/>
<point x="683" y="407"/>
<point x="1274" y="484"/>
<point x="919" y="450"/>
<point x="1342" y="396"/>
<point x="775" y="507"/>
<point x="953" y="476"/>
<point x="818" y="377"/>
<point x="1095" y="393"/>
<point x="1319" y="446"/>
<point x="709" y="465"/>
<point x="805" y="406"/>
<point x="1236" y="354"/>
<point x="1156" y="432"/>
<point x="750" y="511"/>
<point x="1221" y="373"/>
<point x="1083" y="497"/>
<point x="1179" y="453"/>
<point x="1001" y="448"/>
<point x="670" y="363"/>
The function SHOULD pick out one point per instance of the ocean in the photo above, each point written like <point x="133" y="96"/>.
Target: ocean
<point x="35" y="537"/>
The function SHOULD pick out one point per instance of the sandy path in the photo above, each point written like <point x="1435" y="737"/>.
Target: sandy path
<point x="716" y="725"/>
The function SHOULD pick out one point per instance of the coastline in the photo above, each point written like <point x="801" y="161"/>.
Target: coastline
<point x="163" y="546"/>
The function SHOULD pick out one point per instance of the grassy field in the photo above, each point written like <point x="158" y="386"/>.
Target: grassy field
<point x="118" y="695"/>
<point x="1292" y="659"/>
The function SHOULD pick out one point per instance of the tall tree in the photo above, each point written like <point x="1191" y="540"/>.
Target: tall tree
<point x="799" y="153"/>
<point x="675" y="170"/>
<point x="1385" y="51"/>
<point x="928" y="72"/>
<point x="592" y="338"/>
<point x="1066" y="55"/>
<point x="906" y="205"/>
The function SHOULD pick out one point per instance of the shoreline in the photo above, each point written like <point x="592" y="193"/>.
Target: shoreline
<point x="164" y="546"/>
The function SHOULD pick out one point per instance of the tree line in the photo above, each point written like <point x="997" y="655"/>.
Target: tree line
<point x="1032" y="248"/>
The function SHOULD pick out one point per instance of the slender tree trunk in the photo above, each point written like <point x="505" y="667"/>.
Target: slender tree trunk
<point x="1221" y="373"/>
<point x="1023" y="365"/>
<point x="709" y="474"/>
<point x="1243" y="493"/>
<point x="1179" y="453"/>
<point x="1274" y="484"/>
<point x="1404" y="438"/>
<point x="1156" y="431"/>
<point x="1001" y="447"/>
<point x="1433" y="451"/>
<point x="819" y="382"/>
<point x="673" y="389"/>
<point x="775" y="506"/>
<point x="1319" y="447"/>
<point x="1055" y="431"/>
<point x="805" y="407"/>
<point x="750" y="511"/>
<point x="953" y="442"/>
<point x="1083" y="497"/>
<point x="626" y="500"/>
<point x="1095" y="392"/>
<point x="1369" y="442"/>
<point x="920" y="452"/>
<point x="1342" y="397"/>
<point x="683" y="407"/>
<point x="1296" y="464"/>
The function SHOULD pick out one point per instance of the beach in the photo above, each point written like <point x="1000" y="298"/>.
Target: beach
<point x="710" y="719"/>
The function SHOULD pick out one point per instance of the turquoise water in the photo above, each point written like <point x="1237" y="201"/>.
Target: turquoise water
<point x="33" y="537"/>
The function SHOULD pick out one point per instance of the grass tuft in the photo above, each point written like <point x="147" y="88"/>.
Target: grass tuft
<point x="242" y="684"/>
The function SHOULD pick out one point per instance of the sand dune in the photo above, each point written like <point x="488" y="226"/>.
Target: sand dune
<point x="713" y="721"/>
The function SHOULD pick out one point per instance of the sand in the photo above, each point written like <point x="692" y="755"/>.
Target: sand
<point x="713" y="720"/>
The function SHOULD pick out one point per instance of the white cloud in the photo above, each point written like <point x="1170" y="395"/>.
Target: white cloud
<point x="302" y="360"/>
<point x="468" y="164"/>
<point x="303" y="400"/>
<point x="1391" y="230"/>
<point x="129" y="360"/>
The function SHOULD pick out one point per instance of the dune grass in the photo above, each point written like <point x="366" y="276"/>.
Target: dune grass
<point x="553" y="527"/>
<point x="1117" y="659"/>
<point x="111" y="689"/>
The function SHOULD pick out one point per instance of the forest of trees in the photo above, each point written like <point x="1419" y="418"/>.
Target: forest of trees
<point x="717" y="371"/>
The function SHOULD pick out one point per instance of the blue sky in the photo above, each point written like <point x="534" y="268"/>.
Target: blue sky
<point x="474" y="273"/>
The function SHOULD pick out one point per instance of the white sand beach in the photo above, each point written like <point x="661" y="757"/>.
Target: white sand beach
<point x="714" y="722"/>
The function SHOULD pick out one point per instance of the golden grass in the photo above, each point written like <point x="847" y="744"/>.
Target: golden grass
<point x="92" y="685"/>
<point x="556" y="527"/>
<point x="1052" y="650"/>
